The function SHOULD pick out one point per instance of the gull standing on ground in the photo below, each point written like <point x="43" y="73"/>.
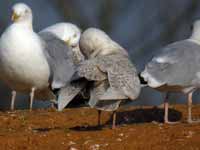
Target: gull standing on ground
<point x="32" y="63"/>
<point x="110" y="73"/>
<point x="176" y="69"/>
<point x="70" y="34"/>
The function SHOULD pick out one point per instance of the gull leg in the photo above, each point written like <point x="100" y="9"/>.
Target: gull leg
<point x="190" y="109"/>
<point x="114" y="120"/>
<point x="12" y="106"/>
<point x="53" y="102"/>
<point x="52" y="106"/>
<point x="99" y="118"/>
<point x="166" y="108"/>
<point x="31" y="98"/>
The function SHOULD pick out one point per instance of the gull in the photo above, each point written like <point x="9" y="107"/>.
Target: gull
<point x="70" y="34"/>
<point x="111" y="76"/>
<point x="176" y="69"/>
<point x="33" y="63"/>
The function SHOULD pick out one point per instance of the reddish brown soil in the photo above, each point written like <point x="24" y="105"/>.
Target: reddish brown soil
<point x="75" y="129"/>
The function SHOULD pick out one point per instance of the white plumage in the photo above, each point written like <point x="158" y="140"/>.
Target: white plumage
<point x="67" y="32"/>
<point x="31" y="62"/>
<point x="23" y="64"/>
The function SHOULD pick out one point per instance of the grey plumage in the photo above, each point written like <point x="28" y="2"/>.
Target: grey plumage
<point x="176" y="69"/>
<point x="107" y="71"/>
<point x="70" y="35"/>
<point x="77" y="55"/>
<point x="97" y="90"/>
<point x="179" y="67"/>
<point x="111" y="75"/>
<point x="62" y="60"/>
<point x="119" y="73"/>
<point x="59" y="57"/>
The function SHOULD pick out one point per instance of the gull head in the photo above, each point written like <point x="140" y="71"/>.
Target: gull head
<point x="21" y="13"/>
<point x="67" y="32"/>
<point x="196" y="25"/>
<point x="196" y="31"/>
<point x="95" y="42"/>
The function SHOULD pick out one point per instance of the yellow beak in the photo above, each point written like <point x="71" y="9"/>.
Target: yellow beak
<point x="68" y="42"/>
<point x="15" y="17"/>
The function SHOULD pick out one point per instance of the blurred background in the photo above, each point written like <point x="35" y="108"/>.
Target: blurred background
<point x="140" y="26"/>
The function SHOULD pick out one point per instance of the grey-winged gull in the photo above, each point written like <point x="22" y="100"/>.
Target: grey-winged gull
<point x="110" y="73"/>
<point x="70" y="34"/>
<point x="30" y="63"/>
<point x="176" y="69"/>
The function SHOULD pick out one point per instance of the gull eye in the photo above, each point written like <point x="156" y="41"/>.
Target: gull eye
<point x="75" y="35"/>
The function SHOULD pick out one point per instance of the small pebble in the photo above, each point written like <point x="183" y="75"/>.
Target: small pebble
<point x="71" y="143"/>
<point x="190" y="134"/>
<point x="86" y="142"/>
<point x="119" y="140"/>
<point x="72" y="148"/>
<point x="95" y="147"/>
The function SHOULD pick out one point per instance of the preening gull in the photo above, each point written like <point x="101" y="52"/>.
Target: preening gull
<point x="70" y="34"/>
<point x="32" y="63"/>
<point x="110" y="73"/>
<point x="176" y="69"/>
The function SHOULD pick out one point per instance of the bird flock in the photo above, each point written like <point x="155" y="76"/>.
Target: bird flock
<point x="61" y="62"/>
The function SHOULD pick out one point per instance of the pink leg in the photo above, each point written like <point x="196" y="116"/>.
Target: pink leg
<point x="31" y="98"/>
<point x="114" y="120"/>
<point x="12" y="106"/>
<point x="166" y="108"/>
<point x="190" y="109"/>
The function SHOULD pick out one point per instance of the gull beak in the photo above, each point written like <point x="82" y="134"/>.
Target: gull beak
<point x="15" y="17"/>
<point x="68" y="42"/>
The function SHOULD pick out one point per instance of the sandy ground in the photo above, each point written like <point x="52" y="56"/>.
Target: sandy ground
<point x="75" y="129"/>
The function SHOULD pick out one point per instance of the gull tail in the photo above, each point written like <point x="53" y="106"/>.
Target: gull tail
<point x="112" y="94"/>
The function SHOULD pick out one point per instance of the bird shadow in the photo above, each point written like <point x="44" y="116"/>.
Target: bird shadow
<point x="137" y="116"/>
<point x="87" y="128"/>
<point x="147" y="115"/>
<point x="77" y="128"/>
<point x="46" y="129"/>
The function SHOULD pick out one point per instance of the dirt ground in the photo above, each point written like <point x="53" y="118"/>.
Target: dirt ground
<point x="75" y="129"/>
